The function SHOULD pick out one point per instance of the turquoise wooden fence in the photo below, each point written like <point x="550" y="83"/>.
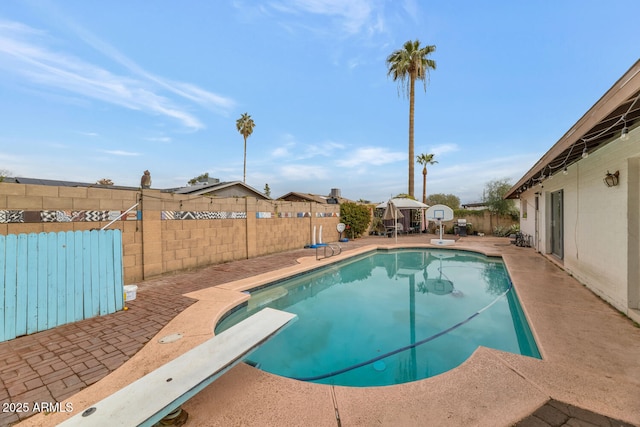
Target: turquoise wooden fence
<point x="50" y="279"/>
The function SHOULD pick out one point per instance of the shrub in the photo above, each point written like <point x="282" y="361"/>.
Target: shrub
<point x="502" y="231"/>
<point x="356" y="217"/>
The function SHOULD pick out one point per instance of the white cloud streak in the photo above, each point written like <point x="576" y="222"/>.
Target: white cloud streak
<point x="294" y="150"/>
<point x="351" y="17"/>
<point x="24" y="52"/>
<point x="442" y="149"/>
<point x="120" y="153"/>
<point x="375" y="156"/>
<point x="303" y="172"/>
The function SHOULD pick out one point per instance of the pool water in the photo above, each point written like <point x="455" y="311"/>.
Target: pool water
<point x="390" y="317"/>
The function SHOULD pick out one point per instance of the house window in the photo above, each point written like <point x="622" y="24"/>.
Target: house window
<point x="523" y="207"/>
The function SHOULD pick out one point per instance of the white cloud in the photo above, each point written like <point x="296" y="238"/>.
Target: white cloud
<point x="29" y="57"/>
<point x="351" y="17"/>
<point x="371" y="156"/>
<point x="324" y="149"/>
<point x="159" y="139"/>
<point x="295" y="150"/>
<point x="302" y="172"/>
<point x="120" y="153"/>
<point x="353" y="14"/>
<point x="455" y="179"/>
<point x="439" y="150"/>
<point x="281" y="152"/>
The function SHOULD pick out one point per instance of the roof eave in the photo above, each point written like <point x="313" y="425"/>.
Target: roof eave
<point x="625" y="89"/>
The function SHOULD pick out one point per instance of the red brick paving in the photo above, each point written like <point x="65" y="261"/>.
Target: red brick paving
<point x="53" y="365"/>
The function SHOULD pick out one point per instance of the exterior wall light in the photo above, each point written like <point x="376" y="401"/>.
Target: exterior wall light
<point x="625" y="133"/>
<point x="611" y="179"/>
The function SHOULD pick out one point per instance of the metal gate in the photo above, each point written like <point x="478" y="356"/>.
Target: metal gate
<point x="49" y="279"/>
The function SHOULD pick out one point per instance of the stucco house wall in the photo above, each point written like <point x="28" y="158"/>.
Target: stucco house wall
<point x="600" y="227"/>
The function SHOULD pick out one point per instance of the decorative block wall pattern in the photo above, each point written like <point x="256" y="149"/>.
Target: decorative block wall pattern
<point x="21" y="216"/>
<point x="266" y="215"/>
<point x="7" y="216"/>
<point x="186" y="215"/>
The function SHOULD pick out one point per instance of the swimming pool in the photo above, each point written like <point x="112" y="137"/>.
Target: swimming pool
<point x="389" y="317"/>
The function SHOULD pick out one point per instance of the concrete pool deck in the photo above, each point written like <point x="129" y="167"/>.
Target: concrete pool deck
<point x="591" y="355"/>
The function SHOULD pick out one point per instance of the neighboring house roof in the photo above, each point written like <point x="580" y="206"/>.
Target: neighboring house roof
<point x="308" y="197"/>
<point x="617" y="108"/>
<point x="58" y="183"/>
<point x="474" y="206"/>
<point x="221" y="189"/>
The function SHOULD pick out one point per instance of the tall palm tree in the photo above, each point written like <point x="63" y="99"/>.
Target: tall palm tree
<point x="407" y="65"/>
<point x="424" y="160"/>
<point x="245" y="126"/>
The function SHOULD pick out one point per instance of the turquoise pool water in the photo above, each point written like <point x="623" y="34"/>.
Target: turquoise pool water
<point x="390" y="317"/>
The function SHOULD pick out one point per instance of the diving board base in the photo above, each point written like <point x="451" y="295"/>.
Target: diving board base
<point x="150" y="398"/>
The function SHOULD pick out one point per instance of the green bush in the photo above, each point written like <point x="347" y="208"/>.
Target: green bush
<point x="356" y="217"/>
<point x="502" y="231"/>
<point x="461" y="213"/>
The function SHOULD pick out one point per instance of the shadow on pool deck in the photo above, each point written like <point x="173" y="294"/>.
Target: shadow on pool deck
<point x="590" y="357"/>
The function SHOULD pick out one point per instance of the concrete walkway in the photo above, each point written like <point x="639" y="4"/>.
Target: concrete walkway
<point x="590" y="372"/>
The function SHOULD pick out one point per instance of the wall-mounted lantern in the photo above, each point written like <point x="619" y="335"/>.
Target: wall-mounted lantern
<point x="612" y="179"/>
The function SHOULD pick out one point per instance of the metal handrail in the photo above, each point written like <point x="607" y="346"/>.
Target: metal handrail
<point x="120" y="216"/>
<point x="332" y="247"/>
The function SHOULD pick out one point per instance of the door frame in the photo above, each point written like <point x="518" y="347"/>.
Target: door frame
<point x="556" y="223"/>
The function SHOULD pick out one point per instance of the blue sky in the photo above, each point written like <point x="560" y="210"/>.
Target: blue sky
<point x="107" y="89"/>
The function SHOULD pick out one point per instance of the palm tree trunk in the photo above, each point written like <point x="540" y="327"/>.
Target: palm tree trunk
<point x="424" y="185"/>
<point x="244" y="173"/>
<point x="411" y="106"/>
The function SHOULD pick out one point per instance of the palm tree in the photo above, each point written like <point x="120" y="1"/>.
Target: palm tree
<point x="424" y="160"/>
<point x="245" y="126"/>
<point x="408" y="65"/>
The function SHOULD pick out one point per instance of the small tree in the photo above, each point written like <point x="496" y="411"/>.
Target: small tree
<point x="3" y="174"/>
<point x="450" y="200"/>
<point x="267" y="190"/>
<point x="203" y="177"/>
<point x="404" y="196"/>
<point x="356" y="217"/>
<point x="493" y="197"/>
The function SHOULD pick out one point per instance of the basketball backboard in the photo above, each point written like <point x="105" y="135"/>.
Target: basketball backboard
<point x="439" y="213"/>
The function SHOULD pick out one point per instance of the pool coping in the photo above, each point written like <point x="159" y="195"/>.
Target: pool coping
<point x="245" y="395"/>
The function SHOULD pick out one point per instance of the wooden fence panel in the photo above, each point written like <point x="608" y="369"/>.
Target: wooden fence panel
<point x="78" y="296"/>
<point x="3" y="257"/>
<point x="22" y="276"/>
<point x="50" y="279"/>
<point x="42" y="281"/>
<point x="10" y="286"/>
<point x="32" y="284"/>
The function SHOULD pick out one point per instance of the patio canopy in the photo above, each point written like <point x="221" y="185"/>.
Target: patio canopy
<point x="402" y="203"/>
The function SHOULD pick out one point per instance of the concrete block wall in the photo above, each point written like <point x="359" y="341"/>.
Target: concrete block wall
<point x="167" y="232"/>
<point x="486" y="222"/>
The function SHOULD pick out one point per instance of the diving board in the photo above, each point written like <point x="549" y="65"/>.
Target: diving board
<point x="160" y="392"/>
